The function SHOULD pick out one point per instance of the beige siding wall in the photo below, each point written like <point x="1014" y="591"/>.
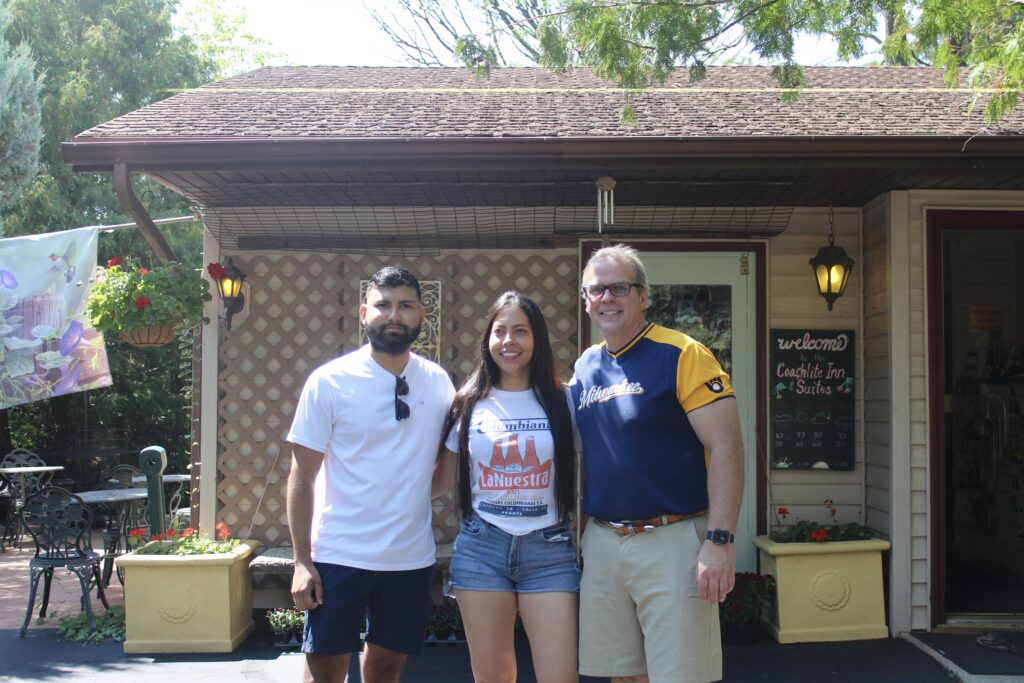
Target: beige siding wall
<point x="877" y="291"/>
<point x="793" y="303"/>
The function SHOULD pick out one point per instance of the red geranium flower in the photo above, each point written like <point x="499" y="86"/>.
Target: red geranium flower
<point x="136" y="533"/>
<point x="222" y="530"/>
<point x="143" y="271"/>
<point x="819" y="534"/>
<point x="142" y="302"/>
<point x="217" y="271"/>
<point x="187" y="531"/>
<point x="783" y="512"/>
<point x="116" y="261"/>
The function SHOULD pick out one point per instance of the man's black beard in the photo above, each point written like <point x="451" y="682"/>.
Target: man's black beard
<point x="392" y="343"/>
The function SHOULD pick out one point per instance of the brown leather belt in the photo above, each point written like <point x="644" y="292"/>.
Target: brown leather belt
<point x="632" y="527"/>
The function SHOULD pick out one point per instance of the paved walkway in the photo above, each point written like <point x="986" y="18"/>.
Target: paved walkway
<point x="65" y="593"/>
<point x="44" y="656"/>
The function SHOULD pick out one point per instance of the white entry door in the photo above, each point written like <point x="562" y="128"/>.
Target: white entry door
<point x="711" y="297"/>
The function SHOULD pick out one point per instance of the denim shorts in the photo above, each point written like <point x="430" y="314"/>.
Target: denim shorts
<point x="485" y="558"/>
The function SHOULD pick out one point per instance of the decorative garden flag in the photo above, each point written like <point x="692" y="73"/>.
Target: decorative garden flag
<point x="47" y="347"/>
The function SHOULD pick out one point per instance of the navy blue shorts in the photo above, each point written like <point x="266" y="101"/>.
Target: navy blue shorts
<point x="392" y="604"/>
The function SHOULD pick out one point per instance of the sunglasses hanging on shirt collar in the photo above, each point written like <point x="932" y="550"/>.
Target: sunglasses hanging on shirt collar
<point x="401" y="407"/>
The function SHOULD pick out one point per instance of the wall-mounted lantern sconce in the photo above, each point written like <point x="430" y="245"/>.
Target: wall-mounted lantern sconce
<point x="229" y="288"/>
<point x="831" y="267"/>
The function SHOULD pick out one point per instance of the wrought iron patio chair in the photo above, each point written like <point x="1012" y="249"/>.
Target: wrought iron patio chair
<point x="26" y="483"/>
<point x="23" y="485"/>
<point x="60" y="524"/>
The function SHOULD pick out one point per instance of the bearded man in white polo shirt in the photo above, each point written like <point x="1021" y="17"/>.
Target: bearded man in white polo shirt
<point x="365" y="442"/>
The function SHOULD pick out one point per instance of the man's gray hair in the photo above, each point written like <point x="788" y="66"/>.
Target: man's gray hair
<point x="627" y="256"/>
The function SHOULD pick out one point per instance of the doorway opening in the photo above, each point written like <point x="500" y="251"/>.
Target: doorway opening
<point x="978" y="360"/>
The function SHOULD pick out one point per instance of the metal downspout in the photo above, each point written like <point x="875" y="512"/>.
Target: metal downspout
<point x="135" y="209"/>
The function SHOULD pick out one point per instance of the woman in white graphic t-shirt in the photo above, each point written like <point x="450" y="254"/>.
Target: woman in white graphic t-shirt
<point x="509" y="444"/>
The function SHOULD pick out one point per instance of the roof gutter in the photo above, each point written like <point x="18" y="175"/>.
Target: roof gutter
<point x="168" y="154"/>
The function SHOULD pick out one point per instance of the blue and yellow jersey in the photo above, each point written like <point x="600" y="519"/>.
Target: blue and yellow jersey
<point x="641" y="457"/>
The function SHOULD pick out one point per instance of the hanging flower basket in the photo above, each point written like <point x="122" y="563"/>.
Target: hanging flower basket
<point x="150" y="337"/>
<point x="146" y="305"/>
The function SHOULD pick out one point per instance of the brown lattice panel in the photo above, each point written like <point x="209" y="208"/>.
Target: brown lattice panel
<point x="304" y="312"/>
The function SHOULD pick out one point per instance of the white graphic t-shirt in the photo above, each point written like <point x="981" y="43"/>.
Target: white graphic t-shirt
<point x="511" y="462"/>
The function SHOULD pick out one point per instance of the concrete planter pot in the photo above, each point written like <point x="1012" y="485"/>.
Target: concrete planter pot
<point x="187" y="603"/>
<point x="825" y="591"/>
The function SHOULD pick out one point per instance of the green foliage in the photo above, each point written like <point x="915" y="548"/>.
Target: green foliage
<point x="219" y="31"/>
<point x="748" y="598"/>
<point x="20" y="131"/>
<point x="285" y="622"/>
<point x="102" y="59"/>
<point x="126" y="296"/>
<point x="637" y="43"/>
<point x="109" y="626"/>
<point x="806" y="531"/>
<point x="443" y="620"/>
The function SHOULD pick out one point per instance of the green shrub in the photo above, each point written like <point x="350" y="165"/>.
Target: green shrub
<point x="109" y="626"/>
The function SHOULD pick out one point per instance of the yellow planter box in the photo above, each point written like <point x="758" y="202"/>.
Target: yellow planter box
<point x="825" y="591"/>
<point x="187" y="603"/>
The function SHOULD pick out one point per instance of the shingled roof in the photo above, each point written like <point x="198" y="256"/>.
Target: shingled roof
<point x="410" y="160"/>
<point x="423" y="103"/>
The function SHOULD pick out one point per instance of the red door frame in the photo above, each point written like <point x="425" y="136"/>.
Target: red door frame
<point x="936" y="222"/>
<point x="759" y="252"/>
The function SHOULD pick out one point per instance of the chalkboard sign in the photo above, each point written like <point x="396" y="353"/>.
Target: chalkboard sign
<point x="811" y="399"/>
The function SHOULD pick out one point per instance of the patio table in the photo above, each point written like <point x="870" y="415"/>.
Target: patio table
<point x="116" y="502"/>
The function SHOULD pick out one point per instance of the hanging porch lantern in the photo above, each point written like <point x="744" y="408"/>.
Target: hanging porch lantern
<point x="831" y="267"/>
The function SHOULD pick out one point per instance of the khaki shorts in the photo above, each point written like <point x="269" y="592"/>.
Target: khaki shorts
<point x="640" y="611"/>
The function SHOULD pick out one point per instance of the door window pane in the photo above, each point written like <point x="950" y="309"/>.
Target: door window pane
<point x="703" y="312"/>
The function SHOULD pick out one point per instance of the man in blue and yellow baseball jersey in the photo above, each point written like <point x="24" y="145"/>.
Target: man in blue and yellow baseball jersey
<point x="663" y="478"/>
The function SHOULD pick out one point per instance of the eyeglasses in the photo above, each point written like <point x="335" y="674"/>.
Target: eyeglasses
<point x="616" y="288"/>
<point x="401" y="407"/>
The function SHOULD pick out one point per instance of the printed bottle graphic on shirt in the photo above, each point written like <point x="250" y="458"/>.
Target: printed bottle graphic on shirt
<point x="509" y="470"/>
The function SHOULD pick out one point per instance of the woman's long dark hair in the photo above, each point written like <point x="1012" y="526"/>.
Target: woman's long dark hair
<point x="546" y="387"/>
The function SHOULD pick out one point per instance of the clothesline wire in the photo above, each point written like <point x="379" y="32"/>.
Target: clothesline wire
<point x="158" y="221"/>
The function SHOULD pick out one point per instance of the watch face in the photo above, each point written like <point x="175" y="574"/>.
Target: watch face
<point x="720" y="536"/>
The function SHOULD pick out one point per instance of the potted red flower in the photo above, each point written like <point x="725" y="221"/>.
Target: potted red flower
<point x="146" y="306"/>
<point x="741" y="612"/>
<point x="187" y="592"/>
<point x="828" y="579"/>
